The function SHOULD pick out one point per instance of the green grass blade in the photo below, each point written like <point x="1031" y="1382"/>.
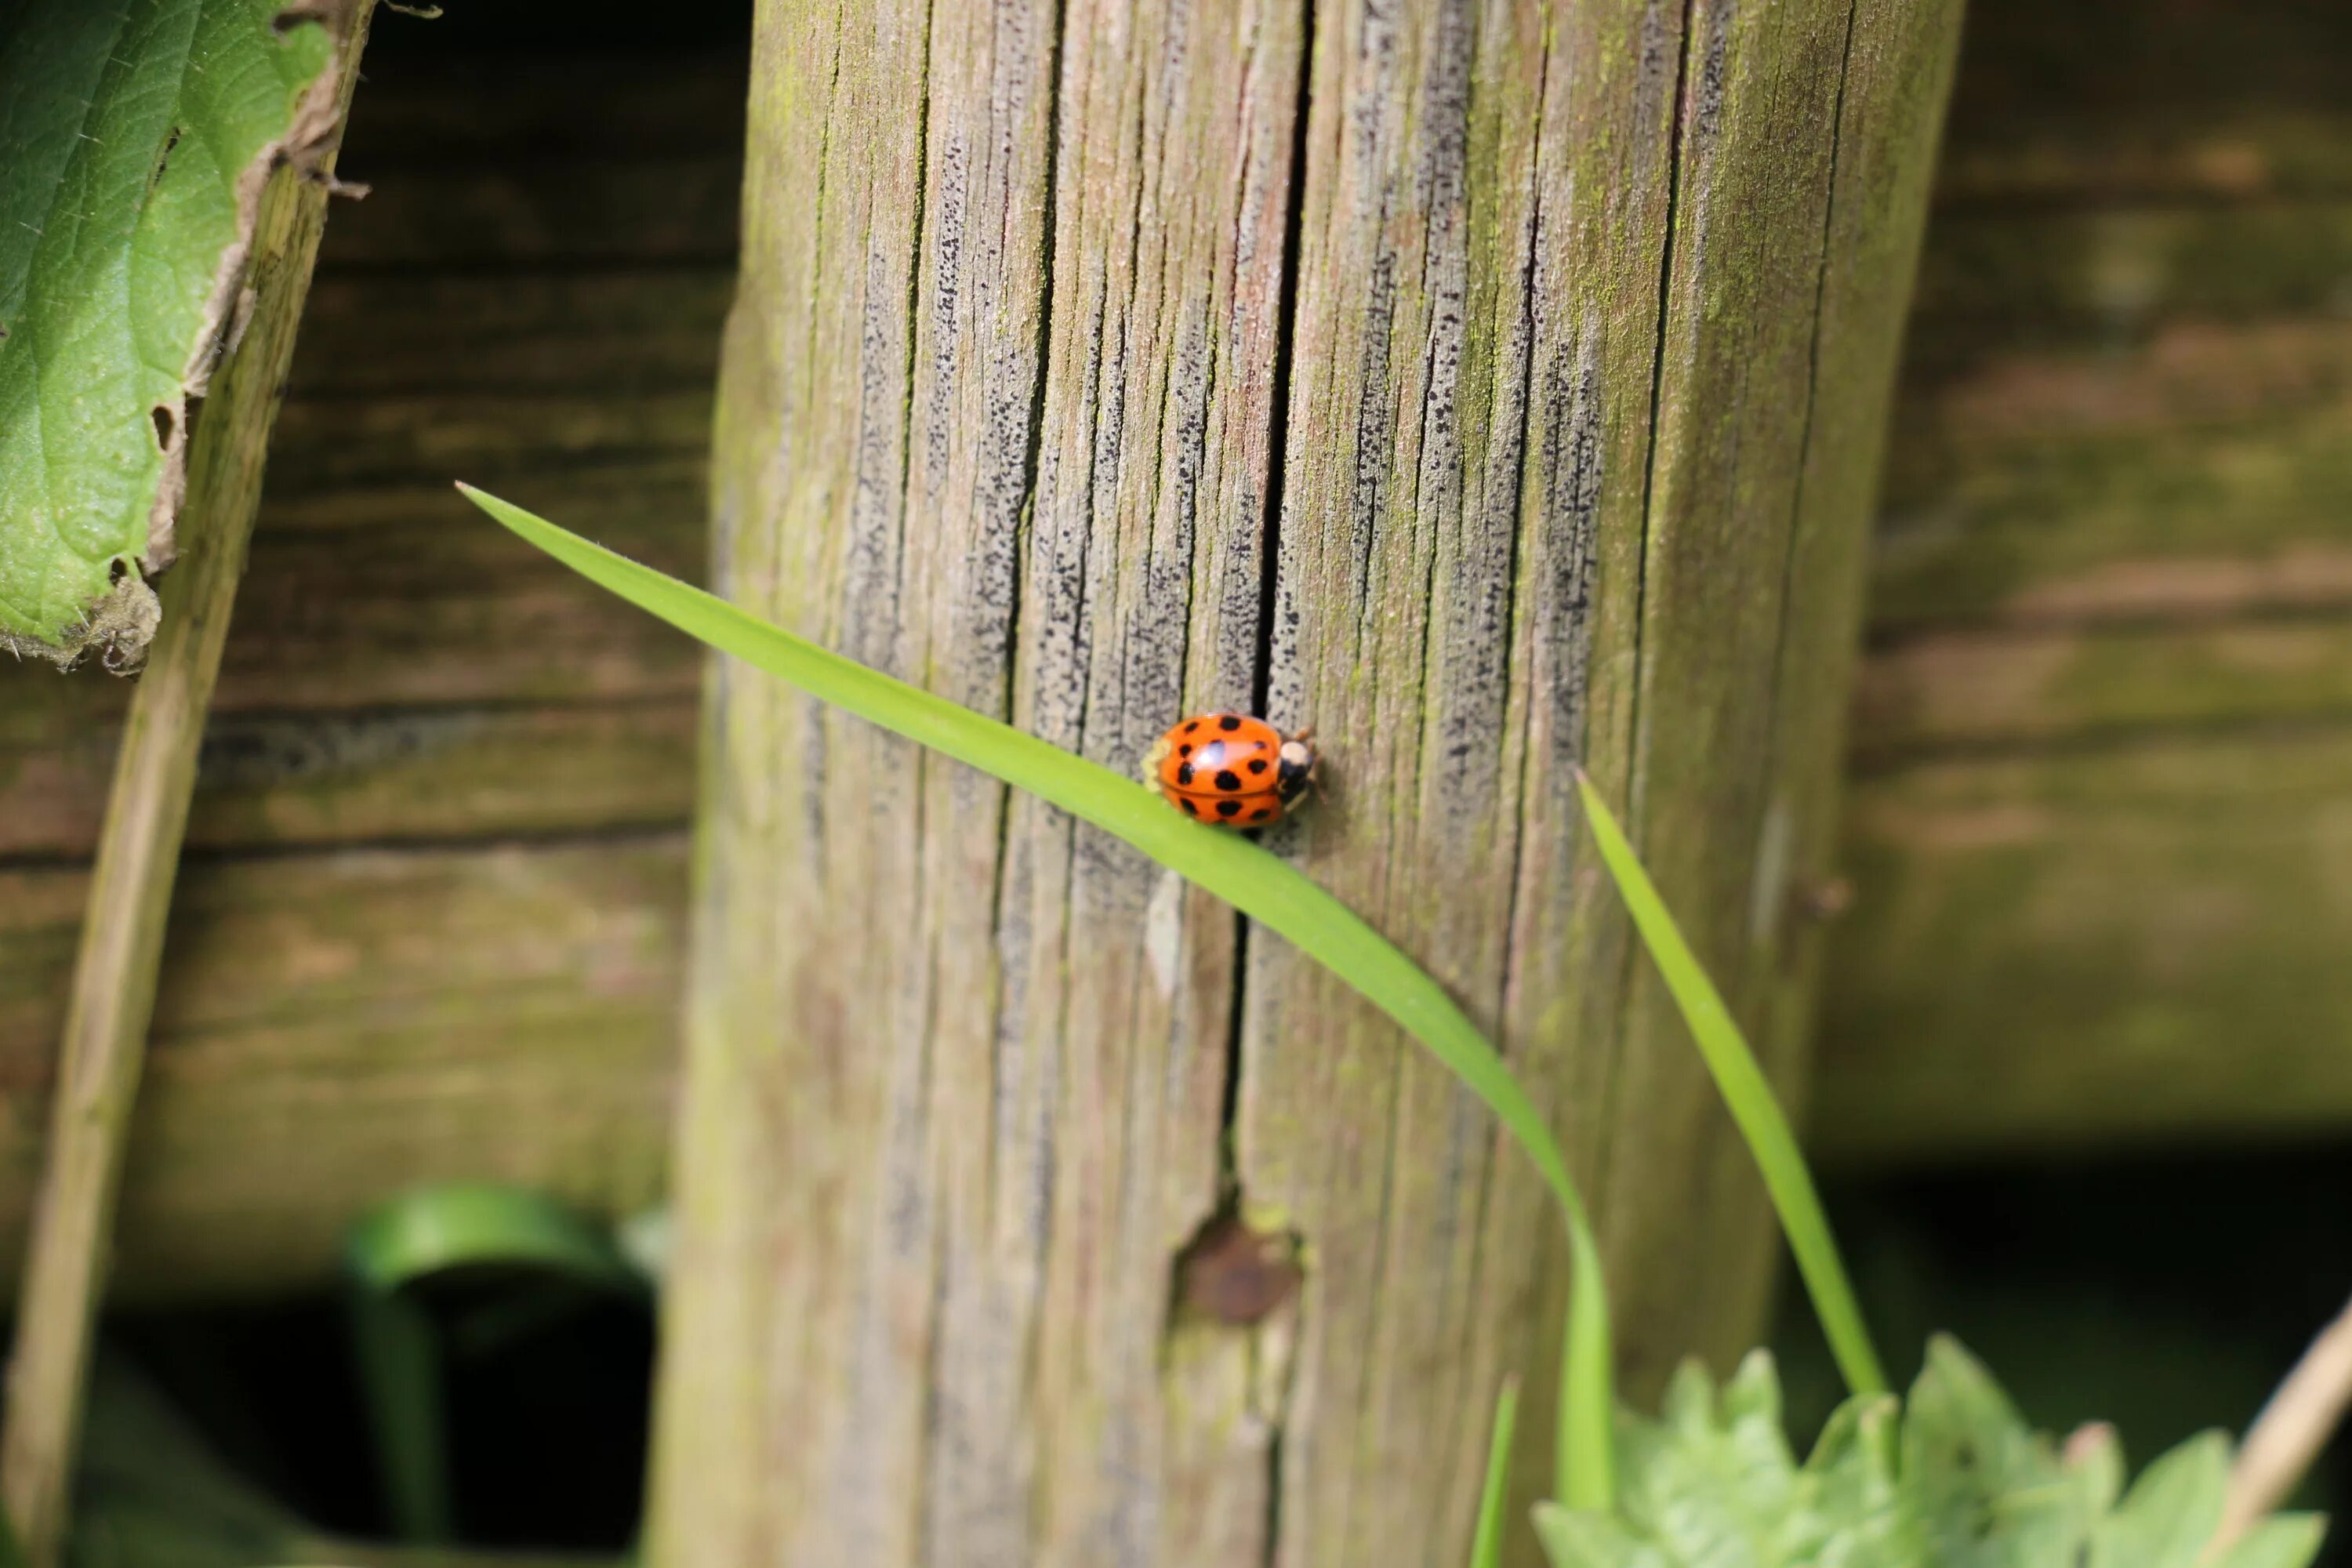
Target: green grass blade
<point x="451" y="1226"/>
<point x="1236" y="870"/>
<point x="1752" y="1103"/>
<point x="1487" y="1546"/>
<point x="400" y="1349"/>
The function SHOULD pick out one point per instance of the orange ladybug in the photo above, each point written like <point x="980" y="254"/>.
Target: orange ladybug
<point x="1233" y="771"/>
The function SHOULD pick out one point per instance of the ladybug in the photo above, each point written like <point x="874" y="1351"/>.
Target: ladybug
<point x="1230" y="770"/>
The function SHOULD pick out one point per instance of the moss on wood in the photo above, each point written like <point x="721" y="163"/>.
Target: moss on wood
<point x="972" y="1064"/>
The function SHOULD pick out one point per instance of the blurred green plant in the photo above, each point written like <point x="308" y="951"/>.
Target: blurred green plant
<point x="151" y="1493"/>
<point x="1951" y="1476"/>
<point x="398" y="1344"/>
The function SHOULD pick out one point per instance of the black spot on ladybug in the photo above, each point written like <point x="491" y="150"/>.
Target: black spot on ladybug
<point x="1184" y="751"/>
<point x="1257" y="764"/>
<point x="1184" y="773"/>
<point x="1229" y="809"/>
<point x="1229" y="780"/>
<point x="1229" y="723"/>
<point x="1189" y="810"/>
<point x="1261" y="814"/>
<point x="1192" y="726"/>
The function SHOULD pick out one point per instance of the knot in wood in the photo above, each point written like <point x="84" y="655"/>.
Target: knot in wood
<point x="1231" y="1274"/>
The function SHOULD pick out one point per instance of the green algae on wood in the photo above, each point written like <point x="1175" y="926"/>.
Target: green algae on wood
<point x="998" y="1045"/>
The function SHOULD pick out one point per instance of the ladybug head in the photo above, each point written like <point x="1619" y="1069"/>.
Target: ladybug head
<point x="1294" y="768"/>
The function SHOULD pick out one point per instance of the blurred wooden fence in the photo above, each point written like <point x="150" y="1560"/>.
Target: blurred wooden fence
<point x="432" y="923"/>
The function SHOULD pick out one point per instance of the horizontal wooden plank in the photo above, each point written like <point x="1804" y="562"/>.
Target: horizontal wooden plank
<point x="520" y="212"/>
<point x="611" y="334"/>
<point x="2106" y="277"/>
<point x="2007" y="686"/>
<point x="428" y="105"/>
<point x="2103" y="729"/>
<point x="2091" y="948"/>
<point x="333" y="1028"/>
<point x="378" y="775"/>
<point x="410" y="614"/>
<point x="2106" y="100"/>
<point x="343" y="443"/>
<point x="2076" y="483"/>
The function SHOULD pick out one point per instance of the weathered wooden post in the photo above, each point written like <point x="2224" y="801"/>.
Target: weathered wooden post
<point x="1494" y="388"/>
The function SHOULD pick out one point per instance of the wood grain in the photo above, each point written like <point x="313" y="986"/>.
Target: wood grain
<point x="956" y="1156"/>
<point x="398" y="676"/>
<point x="2101" y="732"/>
<point x="335" y="1027"/>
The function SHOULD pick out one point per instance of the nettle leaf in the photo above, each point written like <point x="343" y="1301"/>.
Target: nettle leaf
<point x="1993" y="1493"/>
<point x="135" y="138"/>
<point x="2282" y="1540"/>
<point x="1952" y="1477"/>
<point x="1715" y="1483"/>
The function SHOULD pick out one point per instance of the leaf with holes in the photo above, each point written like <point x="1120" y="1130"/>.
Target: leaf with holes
<point x="135" y="137"/>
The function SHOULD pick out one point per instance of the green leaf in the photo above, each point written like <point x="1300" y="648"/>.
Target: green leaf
<point x="2282" y="1540"/>
<point x="1858" y="1488"/>
<point x="1714" y="1484"/>
<point x="1268" y="890"/>
<point x="1993" y="1493"/>
<point x="398" y="1345"/>
<point x="135" y="136"/>
<point x="1953" y="1479"/>
<point x="2172" y="1510"/>
<point x="1582" y="1537"/>
<point x="465" y="1223"/>
<point x="1487" y="1546"/>
<point x="1748" y="1095"/>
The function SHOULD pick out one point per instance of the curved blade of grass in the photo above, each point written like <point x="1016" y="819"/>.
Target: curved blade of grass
<point x="1749" y="1096"/>
<point x="451" y="1226"/>
<point x="1487" y="1546"/>
<point x="1236" y="870"/>
<point x="398" y="1346"/>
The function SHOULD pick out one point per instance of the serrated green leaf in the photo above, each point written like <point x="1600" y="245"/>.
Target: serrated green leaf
<point x="135" y="138"/>
<point x="1953" y="1478"/>
<point x="1582" y="1537"/>
<point x="1714" y="1484"/>
<point x="1858" y="1488"/>
<point x="1992" y="1492"/>
<point x="2170" y="1513"/>
<point x="2282" y="1540"/>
